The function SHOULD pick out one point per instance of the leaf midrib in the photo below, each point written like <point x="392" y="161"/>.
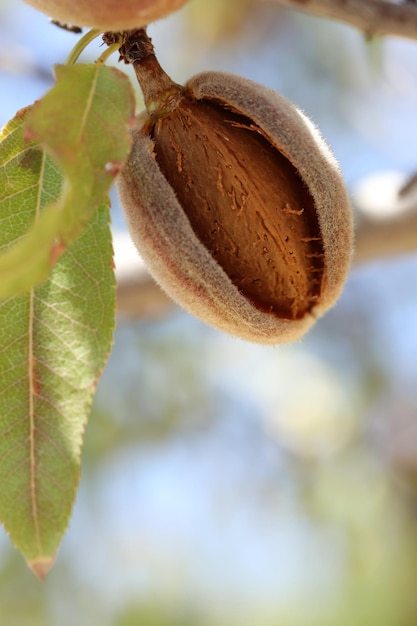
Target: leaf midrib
<point x="88" y="106"/>
<point x="32" y="385"/>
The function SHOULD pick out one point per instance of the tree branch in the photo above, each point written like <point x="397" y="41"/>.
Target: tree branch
<point x="375" y="18"/>
<point x="385" y="216"/>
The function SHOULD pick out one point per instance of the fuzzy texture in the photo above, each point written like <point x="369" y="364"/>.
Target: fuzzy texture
<point x="295" y="136"/>
<point x="107" y="15"/>
<point x="246" y="203"/>
<point x="178" y="261"/>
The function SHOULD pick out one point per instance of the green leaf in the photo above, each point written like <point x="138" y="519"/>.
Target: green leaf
<point x="83" y="123"/>
<point x="54" y="342"/>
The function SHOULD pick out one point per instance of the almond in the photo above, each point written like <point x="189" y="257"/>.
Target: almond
<point x="234" y="201"/>
<point x="107" y="14"/>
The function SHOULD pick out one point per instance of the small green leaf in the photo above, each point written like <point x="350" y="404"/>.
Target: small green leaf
<point x="83" y="123"/>
<point x="54" y="342"/>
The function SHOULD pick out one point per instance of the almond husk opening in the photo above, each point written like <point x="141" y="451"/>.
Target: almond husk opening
<point x="294" y="135"/>
<point x="169" y="244"/>
<point x="178" y="261"/>
<point x="246" y="203"/>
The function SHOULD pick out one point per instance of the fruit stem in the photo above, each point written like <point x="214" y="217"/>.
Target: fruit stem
<point x="114" y="47"/>
<point x="160" y="93"/>
<point x="81" y="44"/>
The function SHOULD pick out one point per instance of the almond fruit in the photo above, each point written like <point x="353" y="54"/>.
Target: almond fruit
<point x="107" y="15"/>
<point x="234" y="201"/>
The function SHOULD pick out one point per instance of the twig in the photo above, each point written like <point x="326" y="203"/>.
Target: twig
<point x="375" y="18"/>
<point x="385" y="238"/>
<point x="385" y="216"/>
<point x="138" y="296"/>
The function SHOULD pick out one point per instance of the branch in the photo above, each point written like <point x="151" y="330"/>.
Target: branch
<point x="375" y="18"/>
<point x="138" y="295"/>
<point x="385" y="216"/>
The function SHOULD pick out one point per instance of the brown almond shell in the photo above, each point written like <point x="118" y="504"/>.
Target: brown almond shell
<point x="176" y="258"/>
<point x="295" y="136"/>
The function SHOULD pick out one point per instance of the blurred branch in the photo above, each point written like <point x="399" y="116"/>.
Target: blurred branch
<point x="375" y="18"/>
<point x="385" y="208"/>
<point x="138" y="296"/>
<point x="386" y="216"/>
<point x="382" y="238"/>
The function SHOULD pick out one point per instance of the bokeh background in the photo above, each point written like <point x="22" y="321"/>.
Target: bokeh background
<point x="226" y="483"/>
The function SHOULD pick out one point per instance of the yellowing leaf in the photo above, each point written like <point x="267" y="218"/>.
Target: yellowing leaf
<point x="83" y="123"/>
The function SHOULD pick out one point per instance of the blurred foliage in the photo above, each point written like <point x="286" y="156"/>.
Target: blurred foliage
<point x="216" y="20"/>
<point x="146" y="615"/>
